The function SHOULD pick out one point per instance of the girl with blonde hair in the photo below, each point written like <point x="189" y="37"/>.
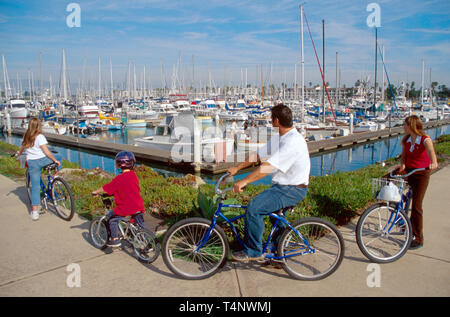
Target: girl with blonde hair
<point x="418" y="152"/>
<point x="34" y="145"/>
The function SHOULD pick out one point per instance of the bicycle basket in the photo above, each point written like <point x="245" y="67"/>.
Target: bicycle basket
<point x="388" y="189"/>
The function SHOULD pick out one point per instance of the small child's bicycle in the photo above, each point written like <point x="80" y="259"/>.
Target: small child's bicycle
<point x="384" y="232"/>
<point x="308" y="249"/>
<point x="145" y="244"/>
<point x="54" y="190"/>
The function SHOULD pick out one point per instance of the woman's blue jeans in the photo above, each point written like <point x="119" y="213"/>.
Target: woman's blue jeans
<point x="34" y="168"/>
<point x="270" y="200"/>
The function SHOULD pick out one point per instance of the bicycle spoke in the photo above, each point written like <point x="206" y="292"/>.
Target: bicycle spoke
<point x="187" y="252"/>
<point x="313" y="255"/>
<point x="383" y="233"/>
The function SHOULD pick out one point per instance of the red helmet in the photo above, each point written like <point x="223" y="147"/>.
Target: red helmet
<point x="125" y="160"/>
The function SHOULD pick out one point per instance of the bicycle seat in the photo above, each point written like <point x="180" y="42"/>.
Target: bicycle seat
<point x="285" y="210"/>
<point x="130" y="217"/>
<point x="51" y="166"/>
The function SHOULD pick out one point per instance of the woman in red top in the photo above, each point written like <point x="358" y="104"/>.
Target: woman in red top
<point x="126" y="192"/>
<point x="418" y="152"/>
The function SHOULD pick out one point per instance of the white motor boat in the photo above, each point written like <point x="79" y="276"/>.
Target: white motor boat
<point x="182" y="105"/>
<point x="163" y="109"/>
<point x="53" y="127"/>
<point x="254" y="138"/>
<point x="366" y="126"/>
<point x="233" y="115"/>
<point x="175" y="134"/>
<point x="89" y="111"/>
<point x="17" y="109"/>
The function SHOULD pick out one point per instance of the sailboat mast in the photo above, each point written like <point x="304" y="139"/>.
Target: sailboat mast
<point x="143" y="85"/>
<point x="336" y="91"/>
<point x="383" y="82"/>
<point x="5" y="77"/>
<point x="41" y="87"/>
<point x="111" y="78"/>
<point x="423" y="79"/>
<point x="99" y="78"/>
<point x="303" y="61"/>
<point x="376" y="55"/>
<point x="323" y="65"/>
<point x="64" y="75"/>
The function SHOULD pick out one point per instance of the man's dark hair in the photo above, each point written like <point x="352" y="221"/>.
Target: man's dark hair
<point x="283" y="114"/>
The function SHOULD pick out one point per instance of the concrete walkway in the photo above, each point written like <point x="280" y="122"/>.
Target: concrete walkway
<point x="35" y="260"/>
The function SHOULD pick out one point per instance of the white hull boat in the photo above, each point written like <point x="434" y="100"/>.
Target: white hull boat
<point x="232" y="115"/>
<point x="17" y="109"/>
<point x="366" y="126"/>
<point x="53" y="127"/>
<point x="175" y="134"/>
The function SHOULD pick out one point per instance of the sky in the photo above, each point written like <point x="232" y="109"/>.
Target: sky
<point x="229" y="39"/>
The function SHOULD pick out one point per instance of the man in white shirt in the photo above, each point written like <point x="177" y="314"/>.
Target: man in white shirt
<point x="289" y="164"/>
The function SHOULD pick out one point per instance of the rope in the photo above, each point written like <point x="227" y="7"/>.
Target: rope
<point x="320" y="68"/>
<point x="389" y="82"/>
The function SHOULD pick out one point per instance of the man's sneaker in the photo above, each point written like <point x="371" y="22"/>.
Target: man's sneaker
<point x="273" y="264"/>
<point x="34" y="215"/>
<point x="113" y="243"/>
<point x="242" y="257"/>
<point x="415" y="245"/>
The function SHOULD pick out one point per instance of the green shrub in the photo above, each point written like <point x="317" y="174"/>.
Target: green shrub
<point x="442" y="147"/>
<point x="169" y="197"/>
<point x="10" y="166"/>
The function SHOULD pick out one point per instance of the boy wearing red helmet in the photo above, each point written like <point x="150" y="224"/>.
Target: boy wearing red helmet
<point x="126" y="192"/>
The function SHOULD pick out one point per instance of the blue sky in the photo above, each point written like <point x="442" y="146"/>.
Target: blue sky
<point x="227" y="35"/>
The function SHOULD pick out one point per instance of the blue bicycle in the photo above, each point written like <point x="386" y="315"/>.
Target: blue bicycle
<point x="383" y="232"/>
<point x="308" y="249"/>
<point x="54" y="190"/>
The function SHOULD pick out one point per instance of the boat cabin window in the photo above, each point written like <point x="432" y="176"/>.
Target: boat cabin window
<point x="159" y="131"/>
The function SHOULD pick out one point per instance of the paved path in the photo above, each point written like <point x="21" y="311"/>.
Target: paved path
<point x="34" y="259"/>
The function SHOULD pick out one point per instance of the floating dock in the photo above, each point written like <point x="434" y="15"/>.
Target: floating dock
<point x="164" y="157"/>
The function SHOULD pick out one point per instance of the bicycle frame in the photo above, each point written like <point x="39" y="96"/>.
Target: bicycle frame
<point x="394" y="219"/>
<point x="46" y="190"/>
<point x="122" y="223"/>
<point x="402" y="205"/>
<point x="277" y="218"/>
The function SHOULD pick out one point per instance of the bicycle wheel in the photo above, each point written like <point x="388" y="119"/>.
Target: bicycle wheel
<point x="314" y="254"/>
<point x="381" y="236"/>
<point x="63" y="199"/>
<point x="180" y="249"/>
<point x="146" y="245"/>
<point x="98" y="232"/>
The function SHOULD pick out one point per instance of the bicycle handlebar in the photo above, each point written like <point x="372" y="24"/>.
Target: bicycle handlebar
<point x="102" y="195"/>
<point x="410" y="173"/>
<point x="218" y="191"/>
